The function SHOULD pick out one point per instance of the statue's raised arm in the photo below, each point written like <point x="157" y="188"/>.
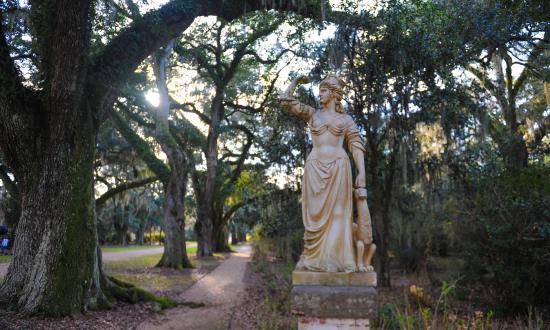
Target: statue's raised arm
<point x="290" y="103"/>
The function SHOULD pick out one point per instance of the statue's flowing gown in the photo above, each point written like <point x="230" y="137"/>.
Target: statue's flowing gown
<point x="327" y="199"/>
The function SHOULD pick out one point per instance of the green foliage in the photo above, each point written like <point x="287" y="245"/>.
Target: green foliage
<point x="503" y="224"/>
<point x="156" y="237"/>
<point x="280" y="223"/>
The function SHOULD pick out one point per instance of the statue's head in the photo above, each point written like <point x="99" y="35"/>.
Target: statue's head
<point x="336" y="87"/>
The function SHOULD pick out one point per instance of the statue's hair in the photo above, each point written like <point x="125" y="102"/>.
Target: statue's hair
<point x="336" y="87"/>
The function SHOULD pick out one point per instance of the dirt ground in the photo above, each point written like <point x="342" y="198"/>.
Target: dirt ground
<point x="213" y="288"/>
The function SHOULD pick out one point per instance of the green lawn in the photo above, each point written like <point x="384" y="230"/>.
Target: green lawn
<point x="138" y="247"/>
<point x="139" y="271"/>
<point x="5" y="259"/>
<point x="151" y="261"/>
<point x="128" y="248"/>
<point x="156" y="282"/>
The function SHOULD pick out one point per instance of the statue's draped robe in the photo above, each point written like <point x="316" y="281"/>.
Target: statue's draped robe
<point x="327" y="199"/>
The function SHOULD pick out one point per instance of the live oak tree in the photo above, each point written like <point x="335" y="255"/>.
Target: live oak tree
<point x="513" y="43"/>
<point x="175" y="142"/>
<point x="48" y="132"/>
<point x="391" y="69"/>
<point x="226" y="58"/>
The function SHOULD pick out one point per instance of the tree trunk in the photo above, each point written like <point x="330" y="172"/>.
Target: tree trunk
<point x="175" y="253"/>
<point x="378" y="219"/>
<point x="207" y="225"/>
<point x="124" y="235"/>
<point x="514" y="150"/>
<point x="234" y="234"/>
<point x="220" y="239"/>
<point x="205" y="247"/>
<point x="56" y="235"/>
<point x="140" y="237"/>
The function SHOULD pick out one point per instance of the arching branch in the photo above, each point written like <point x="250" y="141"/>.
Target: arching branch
<point x="142" y="147"/>
<point x="123" y="187"/>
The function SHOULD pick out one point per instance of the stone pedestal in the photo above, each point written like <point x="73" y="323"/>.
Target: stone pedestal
<point x="334" y="300"/>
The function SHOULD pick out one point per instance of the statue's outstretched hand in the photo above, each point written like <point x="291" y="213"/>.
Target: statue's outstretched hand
<point x="302" y="80"/>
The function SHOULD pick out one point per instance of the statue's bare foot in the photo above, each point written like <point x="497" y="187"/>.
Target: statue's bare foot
<point x="369" y="269"/>
<point x="332" y="269"/>
<point x="362" y="269"/>
<point x="350" y="270"/>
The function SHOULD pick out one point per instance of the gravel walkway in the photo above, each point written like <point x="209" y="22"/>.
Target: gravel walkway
<point x="220" y="291"/>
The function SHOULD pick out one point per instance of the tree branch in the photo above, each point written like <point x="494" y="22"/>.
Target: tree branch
<point x="142" y="148"/>
<point x="242" y="49"/>
<point x="537" y="51"/>
<point x="487" y="83"/>
<point x="133" y="116"/>
<point x="266" y="62"/>
<point x="229" y="213"/>
<point x="244" y="153"/>
<point x="113" y="65"/>
<point x="123" y="187"/>
<point x="189" y="107"/>
<point x="185" y="132"/>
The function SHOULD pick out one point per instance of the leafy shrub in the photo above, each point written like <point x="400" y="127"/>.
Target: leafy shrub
<point x="504" y="230"/>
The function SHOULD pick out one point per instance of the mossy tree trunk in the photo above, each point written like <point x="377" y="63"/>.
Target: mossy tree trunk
<point x="48" y="139"/>
<point x="55" y="239"/>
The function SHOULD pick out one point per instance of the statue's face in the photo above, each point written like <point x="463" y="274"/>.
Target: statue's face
<point x="325" y="95"/>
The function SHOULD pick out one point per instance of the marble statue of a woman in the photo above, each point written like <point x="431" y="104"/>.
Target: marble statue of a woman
<point x="327" y="187"/>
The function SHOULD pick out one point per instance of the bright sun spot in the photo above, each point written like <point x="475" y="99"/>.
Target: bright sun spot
<point x="153" y="98"/>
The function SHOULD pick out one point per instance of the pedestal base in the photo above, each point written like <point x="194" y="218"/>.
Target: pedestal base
<point x="303" y="277"/>
<point x="313" y="323"/>
<point x="334" y="300"/>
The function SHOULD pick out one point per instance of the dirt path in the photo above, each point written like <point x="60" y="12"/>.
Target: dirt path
<point x="220" y="291"/>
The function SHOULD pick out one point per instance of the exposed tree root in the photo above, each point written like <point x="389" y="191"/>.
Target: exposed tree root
<point x="122" y="291"/>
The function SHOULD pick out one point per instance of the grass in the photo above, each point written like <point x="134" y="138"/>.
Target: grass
<point x="151" y="261"/>
<point x="191" y="247"/>
<point x="5" y="259"/>
<point x="128" y="248"/>
<point x="156" y="282"/>
<point x="139" y="272"/>
<point x="133" y="263"/>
